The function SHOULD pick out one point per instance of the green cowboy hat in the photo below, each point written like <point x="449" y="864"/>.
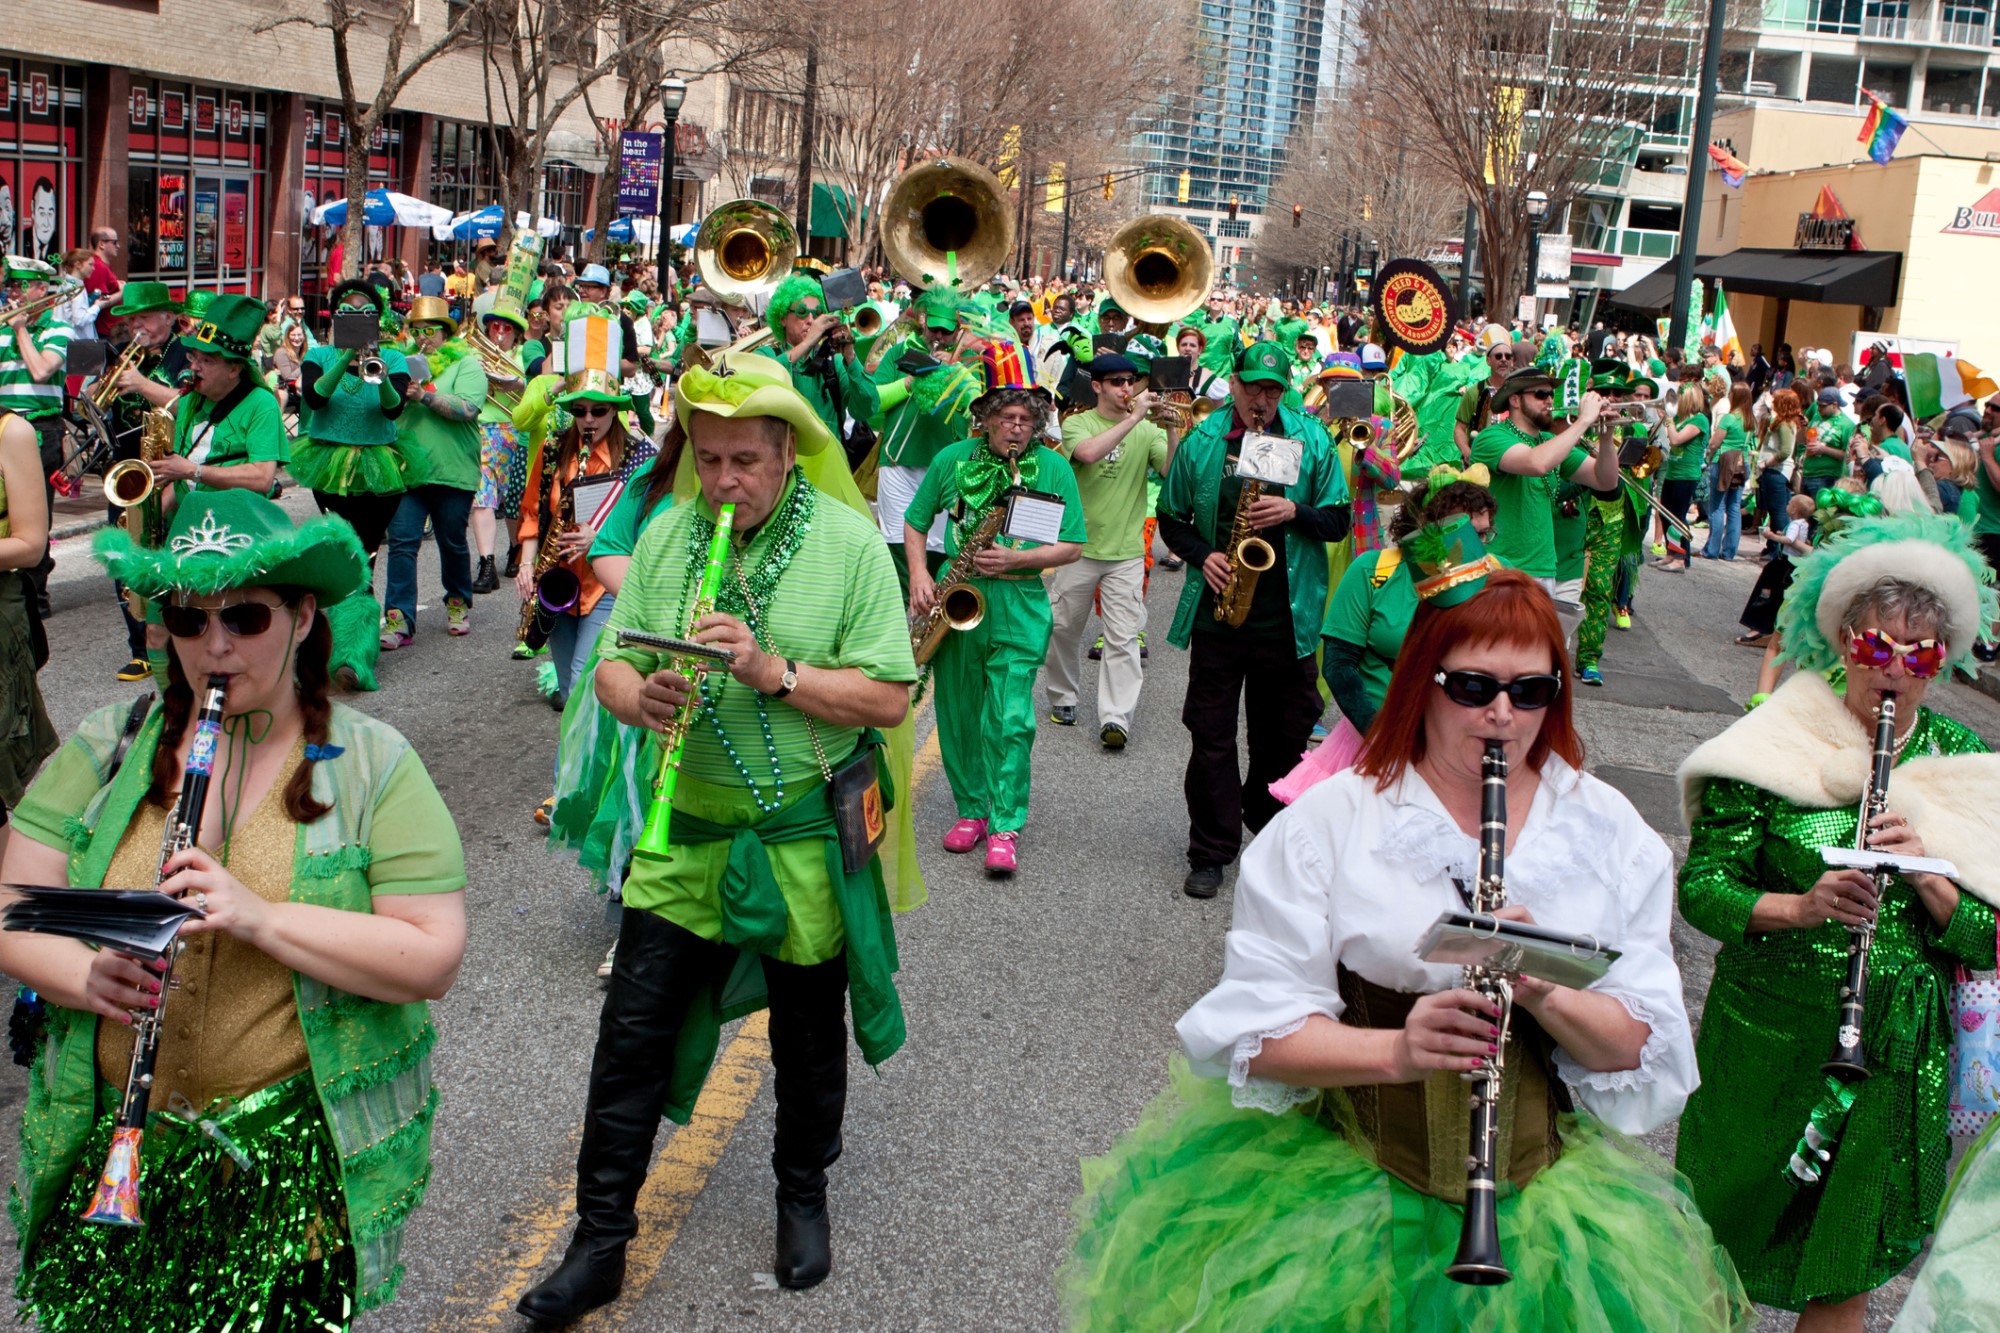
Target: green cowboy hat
<point x="143" y="298"/>
<point x="229" y="328"/>
<point x="750" y="385"/>
<point x="1447" y="561"/>
<point x="222" y="539"/>
<point x="1266" y="363"/>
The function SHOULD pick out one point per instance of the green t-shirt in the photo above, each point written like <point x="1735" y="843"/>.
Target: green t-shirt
<point x="1376" y="618"/>
<point x="630" y="517"/>
<point x="353" y="411"/>
<point x="438" y="451"/>
<point x="911" y="436"/>
<point x="1836" y="429"/>
<point x="1988" y="519"/>
<point x="1524" y="528"/>
<point x="1115" y="491"/>
<point x="1729" y="434"/>
<point x="253" y="431"/>
<point x="939" y="494"/>
<point x="1897" y="445"/>
<point x="1684" y="461"/>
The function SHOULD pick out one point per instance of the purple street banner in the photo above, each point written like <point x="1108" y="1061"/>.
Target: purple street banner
<point x="639" y="156"/>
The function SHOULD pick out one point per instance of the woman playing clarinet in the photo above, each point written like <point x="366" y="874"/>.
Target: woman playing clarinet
<point x="291" y="1104"/>
<point x="1893" y="601"/>
<point x="1308" y="1171"/>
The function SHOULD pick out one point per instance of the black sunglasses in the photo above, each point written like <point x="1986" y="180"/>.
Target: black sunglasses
<point x="1476" y="689"/>
<point x="243" y="620"/>
<point x="600" y="410"/>
<point x="1121" y="380"/>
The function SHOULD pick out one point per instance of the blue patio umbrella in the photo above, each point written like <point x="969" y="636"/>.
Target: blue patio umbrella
<point x="384" y="208"/>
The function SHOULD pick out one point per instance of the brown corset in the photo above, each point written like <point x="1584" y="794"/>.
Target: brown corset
<point x="1420" y="1133"/>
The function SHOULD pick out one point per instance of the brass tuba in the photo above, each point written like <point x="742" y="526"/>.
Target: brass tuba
<point x="1159" y="269"/>
<point x="943" y="208"/>
<point x="744" y="249"/>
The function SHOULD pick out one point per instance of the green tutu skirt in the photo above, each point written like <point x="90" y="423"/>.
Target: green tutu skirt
<point x="245" y="1227"/>
<point x="1208" y="1216"/>
<point x="347" y="469"/>
<point x="604" y="784"/>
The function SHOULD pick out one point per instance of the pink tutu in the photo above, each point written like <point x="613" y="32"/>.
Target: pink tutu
<point x="1335" y="754"/>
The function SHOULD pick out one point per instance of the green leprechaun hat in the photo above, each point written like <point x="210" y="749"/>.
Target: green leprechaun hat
<point x="1447" y="561"/>
<point x="143" y="298"/>
<point x="229" y="329"/>
<point x="223" y="539"/>
<point x="196" y="305"/>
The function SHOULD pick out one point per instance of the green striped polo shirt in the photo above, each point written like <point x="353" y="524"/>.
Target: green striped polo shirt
<point x="19" y="393"/>
<point x="838" y="605"/>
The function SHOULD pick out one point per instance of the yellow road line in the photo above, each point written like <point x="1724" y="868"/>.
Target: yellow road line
<point x="678" y="1176"/>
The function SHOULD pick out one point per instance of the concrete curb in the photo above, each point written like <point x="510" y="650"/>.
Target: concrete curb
<point x="77" y="528"/>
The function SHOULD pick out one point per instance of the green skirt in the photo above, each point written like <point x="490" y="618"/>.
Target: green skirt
<point x="246" y="1227"/>
<point x="1209" y="1216"/>
<point x="347" y="469"/>
<point x="26" y="735"/>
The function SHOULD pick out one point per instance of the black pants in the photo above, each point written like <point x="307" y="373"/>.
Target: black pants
<point x="658" y="970"/>
<point x="1281" y="702"/>
<point x="370" y="515"/>
<point x="49" y="429"/>
<point x="1676" y="497"/>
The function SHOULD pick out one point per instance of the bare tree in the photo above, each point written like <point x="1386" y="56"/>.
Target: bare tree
<point x="343" y="21"/>
<point x="1503" y="98"/>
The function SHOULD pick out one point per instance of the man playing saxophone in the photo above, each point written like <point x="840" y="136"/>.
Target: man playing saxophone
<point x="808" y="606"/>
<point x="1265" y="656"/>
<point x="986" y="667"/>
<point x="149" y="382"/>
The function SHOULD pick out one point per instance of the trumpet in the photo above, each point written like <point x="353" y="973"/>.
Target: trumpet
<point x="1643" y="410"/>
<point x="106" y="391"/>
<point x="42" y="304"/>
<point x="370" y="367"/>
<point x="1175" y="409"/>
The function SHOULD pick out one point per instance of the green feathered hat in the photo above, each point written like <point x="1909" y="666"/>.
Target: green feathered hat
<point x="1930" y="550"/>
<point x="233" y="538"/>
<point x="939" y="306"/>
<point x="1447" y="561"/>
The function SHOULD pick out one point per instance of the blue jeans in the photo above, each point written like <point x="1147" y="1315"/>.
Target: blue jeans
<point x="573" y="638"/>
<point x="1774" y="493"/>
<point x="448" y="510"/>
<point x="1725" y="525"/>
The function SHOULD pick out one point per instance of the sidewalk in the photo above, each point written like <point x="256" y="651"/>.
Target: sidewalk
<point x="76" y="515"/>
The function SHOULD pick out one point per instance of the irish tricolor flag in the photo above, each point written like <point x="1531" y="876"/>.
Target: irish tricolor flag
<point x="1940" y="383"/>
<point x="1725" y="328"/>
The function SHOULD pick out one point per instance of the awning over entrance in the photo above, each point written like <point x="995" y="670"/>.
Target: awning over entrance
<point x="1655" y="291"/>
<point x="1832" y="277"/>
<point x="833" y="212"/>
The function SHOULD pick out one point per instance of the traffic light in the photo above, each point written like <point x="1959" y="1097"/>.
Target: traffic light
<point x="1107" y="185"/>
<point x="1232" y="208"/>
<point x="1298" y="212"/>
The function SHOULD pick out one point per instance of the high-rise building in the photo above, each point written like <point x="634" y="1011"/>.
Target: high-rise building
<point x="1224" y="139"/>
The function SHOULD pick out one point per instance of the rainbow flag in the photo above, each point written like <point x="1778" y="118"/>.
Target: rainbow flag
<point x="1881" y="129"/>
<point x="1732" y="168"/>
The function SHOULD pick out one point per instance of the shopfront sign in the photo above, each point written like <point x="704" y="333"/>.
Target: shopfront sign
<point x="1979" y="218"/>
<point x="1827" y="226"/>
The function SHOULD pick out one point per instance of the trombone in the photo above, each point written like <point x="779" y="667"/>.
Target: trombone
<point x="42" y="304"/>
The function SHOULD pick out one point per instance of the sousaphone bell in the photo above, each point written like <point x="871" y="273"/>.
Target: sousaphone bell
<point x="744" y="249"/>
<point x="947" y="219"/>
<point x="1159" y="269"/>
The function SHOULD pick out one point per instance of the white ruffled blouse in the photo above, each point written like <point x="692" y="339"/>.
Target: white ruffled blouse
<point x="1349" y="875"/>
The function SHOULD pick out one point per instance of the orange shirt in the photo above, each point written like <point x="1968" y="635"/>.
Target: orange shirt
<point x="598" y="463"/>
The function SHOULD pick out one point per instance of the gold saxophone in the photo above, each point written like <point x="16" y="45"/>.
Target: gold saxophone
<point x="130" y="484"/>
<point x="556" y="589"/>
<point x="958" y="604"/>
<point x="1249" y="556"/>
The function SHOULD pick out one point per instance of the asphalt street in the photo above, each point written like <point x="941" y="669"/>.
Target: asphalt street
<point x="1040" y="1010"/>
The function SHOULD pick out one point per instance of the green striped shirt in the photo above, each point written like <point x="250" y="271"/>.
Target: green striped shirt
<point x="19" y="391"/>
<point x="838" y="605"/>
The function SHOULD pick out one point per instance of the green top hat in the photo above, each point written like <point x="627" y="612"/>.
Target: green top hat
<point x="223" y="539"/>
<point x="1264" y="362"/>
<point x="1447" y="561"/>
<point x="229" y="328"/>
<point x="197" y="303"/>
<point x="143" y="298"/>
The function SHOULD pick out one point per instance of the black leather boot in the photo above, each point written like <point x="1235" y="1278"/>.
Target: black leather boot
<point x="658" y="969"/>
<point x="809" y="1056"/>
<point x="488" y="578"/>
<point x="513" y="560"/>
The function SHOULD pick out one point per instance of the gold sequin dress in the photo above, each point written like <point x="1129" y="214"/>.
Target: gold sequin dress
<point x="1769" y="1022"/>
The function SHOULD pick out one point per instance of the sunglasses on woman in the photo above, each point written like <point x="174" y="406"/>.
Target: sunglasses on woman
<point x="1476" y="689"/>
<point x="601" y="410"/>
<point x="243" y="620"/>
<point x="1872" y="648"/>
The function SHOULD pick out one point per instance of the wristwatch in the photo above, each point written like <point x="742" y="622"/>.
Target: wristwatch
<point x="787" y="682"/>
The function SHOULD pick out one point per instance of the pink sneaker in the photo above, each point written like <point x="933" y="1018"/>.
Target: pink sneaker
<point x="1000" y="853"/>
<point x="965" y="835"/>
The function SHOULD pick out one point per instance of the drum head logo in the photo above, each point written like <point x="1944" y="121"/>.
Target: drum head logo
<point x="1413" y="306"/>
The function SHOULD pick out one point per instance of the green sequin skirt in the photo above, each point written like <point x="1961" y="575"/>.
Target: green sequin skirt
<point x="245" y="1227"/>
<point x="1208" y="1216"/>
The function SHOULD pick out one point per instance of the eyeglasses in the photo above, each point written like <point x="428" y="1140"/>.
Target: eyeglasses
<point x="1476" y="689"/>
<point x="600" y="410"/>
<point x="1872" y="648"/>
<point x="109" y="240"/>
<point x="243" y="620"/>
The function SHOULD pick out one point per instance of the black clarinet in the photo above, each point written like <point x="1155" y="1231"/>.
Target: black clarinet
<point x="116" y="1202"/>
<point x="1478" y="1261"/>
<point x="1847" y="1062"/>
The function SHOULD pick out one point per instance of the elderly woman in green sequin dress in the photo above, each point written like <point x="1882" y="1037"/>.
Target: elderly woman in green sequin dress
<point x="1893" y="600"/>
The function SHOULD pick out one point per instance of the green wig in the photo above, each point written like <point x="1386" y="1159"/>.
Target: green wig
<point x="1929" y="550"/>
<point x="790" y="292"/>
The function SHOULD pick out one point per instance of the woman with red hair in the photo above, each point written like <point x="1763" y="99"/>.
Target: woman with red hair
<point x="1309" y="1168"/>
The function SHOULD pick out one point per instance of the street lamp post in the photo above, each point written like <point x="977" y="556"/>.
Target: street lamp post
<point x="1538" y="213"/>
<point x="673" y="92"/>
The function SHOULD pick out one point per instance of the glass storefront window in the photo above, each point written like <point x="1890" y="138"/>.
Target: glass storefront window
<point x="325" y="179"/>
<point x="197" y="185"/>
